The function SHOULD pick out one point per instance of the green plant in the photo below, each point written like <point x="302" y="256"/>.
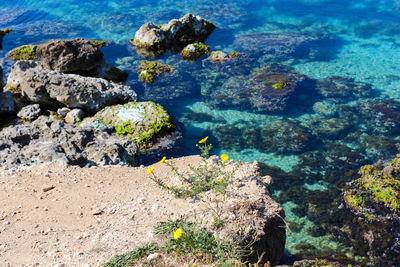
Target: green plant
<point x="206" y="177"/>
<point x="132" y="257"/>
<point x="204" y="148"/>
<point x="199" y="244"/>
<point x="188" y="244"/>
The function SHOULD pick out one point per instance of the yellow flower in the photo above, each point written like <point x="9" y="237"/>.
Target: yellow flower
<point x="178" y="233"/>
<point x="224" y="157"/>
<point x="221" y="181"/>
<point x="150" y="170"/>
<point x="162" y="160"/>
<point x="203" y="140"/>
<point x="170" y="187"/>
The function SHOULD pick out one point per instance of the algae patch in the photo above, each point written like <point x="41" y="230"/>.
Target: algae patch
<point x="149" y="70"/>
<point x="26" y="52"/>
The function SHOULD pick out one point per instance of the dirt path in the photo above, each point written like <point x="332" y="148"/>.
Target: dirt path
<point x="53" y="214"/>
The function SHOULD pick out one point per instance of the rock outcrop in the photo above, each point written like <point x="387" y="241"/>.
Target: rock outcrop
<point x="141" y="122"/>
<point x="194" y="51"/>
<point x="58" y="89"/>
<point x="373" y="205"/>
<point x="70" y="56"/>
<point x="47" y="139"/>
<point x="2" y="34"/>
<point x="75" y="56"/>
<point x="173" y="35"/>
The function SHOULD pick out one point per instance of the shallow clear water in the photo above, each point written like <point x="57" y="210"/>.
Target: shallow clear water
<point x="359" y="40"/>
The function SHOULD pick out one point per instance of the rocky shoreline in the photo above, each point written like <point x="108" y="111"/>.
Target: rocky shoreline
<point x="74" y="110"/>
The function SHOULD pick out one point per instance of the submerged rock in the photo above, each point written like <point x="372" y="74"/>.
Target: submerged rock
<point x="382" y="116"/>
<point x="30" y="112"/>
<point x="267" y="90"/>
<point x="276" y="44"/>
<point x="332" y="128"/>
<point x="111" y="73"/>
<point x="342" y="89"/>
<point x="57" y="89"/>
<point x="169" y="86"/>
<point x="47" y="139"/>
<point x="373" y="201"/>
<point x="141" y="122"/>
<point x="219" y="56"/>
<point x="285" y="137"/>
<point x="176" y="33"/>
<point x="149" y="70"/>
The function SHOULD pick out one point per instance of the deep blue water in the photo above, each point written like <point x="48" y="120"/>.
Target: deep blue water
<point x="340" y="123"/>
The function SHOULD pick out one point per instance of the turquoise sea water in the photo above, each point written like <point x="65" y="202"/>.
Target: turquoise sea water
<point x="338" y="129"/>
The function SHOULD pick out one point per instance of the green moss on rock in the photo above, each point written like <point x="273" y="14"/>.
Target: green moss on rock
<point x="4" y="32"/>
<point x="141" y="122"/>
<point x="137" y="43"/>
<point x="98" y="43"/>
<point x="26" y="52"/>
<point x="281" y="85"/>
<point x="194" y="51"/>
<point x="377" y="189"/>
<point x="149" y="70"/>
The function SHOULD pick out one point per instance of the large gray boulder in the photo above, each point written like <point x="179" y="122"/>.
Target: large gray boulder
<point x="70" y="55"/>
<point x="78" y="56"/>
<point x="176" y="33"/>
<point x="142" y="122"/>
<point x="70" y="90"/>
<point x="47" y="139"/>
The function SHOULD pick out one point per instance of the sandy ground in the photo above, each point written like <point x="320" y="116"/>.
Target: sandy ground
<point x="58" y="215"/>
